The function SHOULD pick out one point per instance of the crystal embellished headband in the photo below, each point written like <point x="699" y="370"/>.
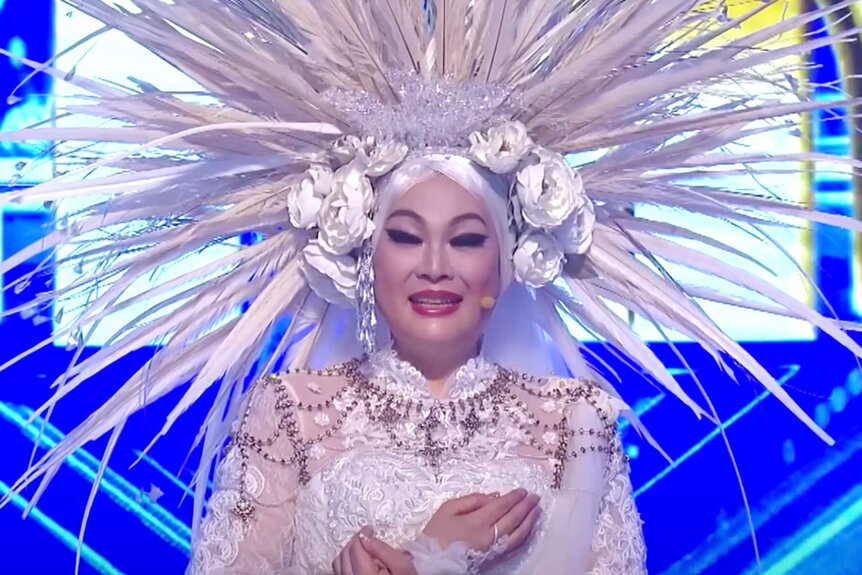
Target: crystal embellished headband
<point x="434" y="114"/>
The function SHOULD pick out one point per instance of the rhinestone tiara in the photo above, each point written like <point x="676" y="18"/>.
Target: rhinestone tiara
<point x="437" y="113"/>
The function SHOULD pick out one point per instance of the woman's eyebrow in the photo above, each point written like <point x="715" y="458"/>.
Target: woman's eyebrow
<point x="469" y="216"/>
<point x="408" y="214"/>
<point x="456" y="220"/>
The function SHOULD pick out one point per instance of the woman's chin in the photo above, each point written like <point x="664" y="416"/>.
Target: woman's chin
<point x="437" y="331"/>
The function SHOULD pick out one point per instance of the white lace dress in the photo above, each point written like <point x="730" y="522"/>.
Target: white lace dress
<point x="321" y="454"/>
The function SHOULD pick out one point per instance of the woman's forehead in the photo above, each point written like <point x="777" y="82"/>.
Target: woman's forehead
<point x="439" y="198"/>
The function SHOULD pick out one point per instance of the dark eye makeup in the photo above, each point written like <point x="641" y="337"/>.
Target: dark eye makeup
<point x="468" y="240"/>
<point x="402" y="237"/>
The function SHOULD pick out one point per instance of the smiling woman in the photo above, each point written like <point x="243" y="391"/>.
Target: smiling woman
<point x="427" y="456"/>
<point x="437" y="257"/>
<point x="404" y="165"/>
<point x="447" y="463"/>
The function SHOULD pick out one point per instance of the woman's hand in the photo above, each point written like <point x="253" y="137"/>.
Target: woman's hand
<point x="471" y="520"/>
<point x="354" y="559"/>
<point x="366" y="555"/>
<point x="394" y="561"/>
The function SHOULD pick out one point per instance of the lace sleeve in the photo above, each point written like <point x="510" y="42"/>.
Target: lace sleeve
<point x="617" y="546"/>
<point x="249" y="524"/>
<point x="595" y="528"/>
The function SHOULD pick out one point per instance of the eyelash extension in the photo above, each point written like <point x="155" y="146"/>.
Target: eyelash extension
<point x="461" y="241"/>
<point x="402" y="237"/>
<point x="469" y="240"/>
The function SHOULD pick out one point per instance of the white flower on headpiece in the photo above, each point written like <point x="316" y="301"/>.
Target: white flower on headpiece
<point x="331" y="277"/>
<point x="501" y="148"/>
<point x="305" y="198"/>
<point x="345" y="148"/>
<point x="537" y="260"/>
<point x="576" y="234"/>
<point x="343" y="219"/>
<point x="377" y="159"/>
<point x="549" y="190"/>
<point x="382" y="158"/>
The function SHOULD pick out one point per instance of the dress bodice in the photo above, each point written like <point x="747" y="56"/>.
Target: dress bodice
<point x="321" y="454"/>
<point x="397" y="494"/>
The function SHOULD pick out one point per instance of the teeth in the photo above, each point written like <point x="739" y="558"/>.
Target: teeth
<point x="435" y="301"/>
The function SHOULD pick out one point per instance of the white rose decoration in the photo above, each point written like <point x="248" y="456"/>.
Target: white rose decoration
<point x="501" y="149"/>
<point x="331" y="277"/>
<point x="305" y="199"/>
<point x="576" y="234"/>
<point x="346" y="148"/>
<point x="383" y="157"/>
<point x="549" y="191"/>
<point x="537" y="260"/>
<point x="343" y="219"/>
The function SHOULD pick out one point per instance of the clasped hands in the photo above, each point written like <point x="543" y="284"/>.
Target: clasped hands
<point x="476" y="519"/>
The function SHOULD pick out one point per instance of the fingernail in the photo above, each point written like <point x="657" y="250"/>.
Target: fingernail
<point x="521" y="492"/>
<point x="363" y="540"/>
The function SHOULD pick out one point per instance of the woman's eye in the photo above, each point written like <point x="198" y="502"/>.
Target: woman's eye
<point x="402" y="237"/>
<point x="469" y="241"/>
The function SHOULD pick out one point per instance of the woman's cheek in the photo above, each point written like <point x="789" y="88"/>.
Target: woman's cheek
<point x="483" y="274"/>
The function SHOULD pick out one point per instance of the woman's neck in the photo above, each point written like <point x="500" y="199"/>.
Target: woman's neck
<point x="436" y="363"/>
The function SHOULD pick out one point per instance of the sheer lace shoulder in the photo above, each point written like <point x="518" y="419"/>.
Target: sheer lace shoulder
<point x="577" y="417"/>
<point x="249" y="523"/>
<point x="595" y="528"/>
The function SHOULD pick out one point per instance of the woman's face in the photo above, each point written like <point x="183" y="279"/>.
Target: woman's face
<point x="436" y="258"/>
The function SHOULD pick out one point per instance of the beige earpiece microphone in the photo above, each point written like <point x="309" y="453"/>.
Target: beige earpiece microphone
<point x="487" y="302"/>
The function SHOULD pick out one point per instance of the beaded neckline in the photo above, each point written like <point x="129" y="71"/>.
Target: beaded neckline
<point x="400" y="377"/>
<point x="387" y="411"/>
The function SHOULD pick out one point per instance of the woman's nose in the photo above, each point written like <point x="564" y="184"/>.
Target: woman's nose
<point x="436" y="265"/>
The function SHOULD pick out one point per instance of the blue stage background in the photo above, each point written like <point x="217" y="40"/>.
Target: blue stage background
<point x="806" y="497"/>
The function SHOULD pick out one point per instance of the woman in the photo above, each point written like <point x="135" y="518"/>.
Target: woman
<point x="411" y="160"/>
<point x="322" y="455"/>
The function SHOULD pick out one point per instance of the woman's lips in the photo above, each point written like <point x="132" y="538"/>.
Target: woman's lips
<point x="432" y="303"/>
